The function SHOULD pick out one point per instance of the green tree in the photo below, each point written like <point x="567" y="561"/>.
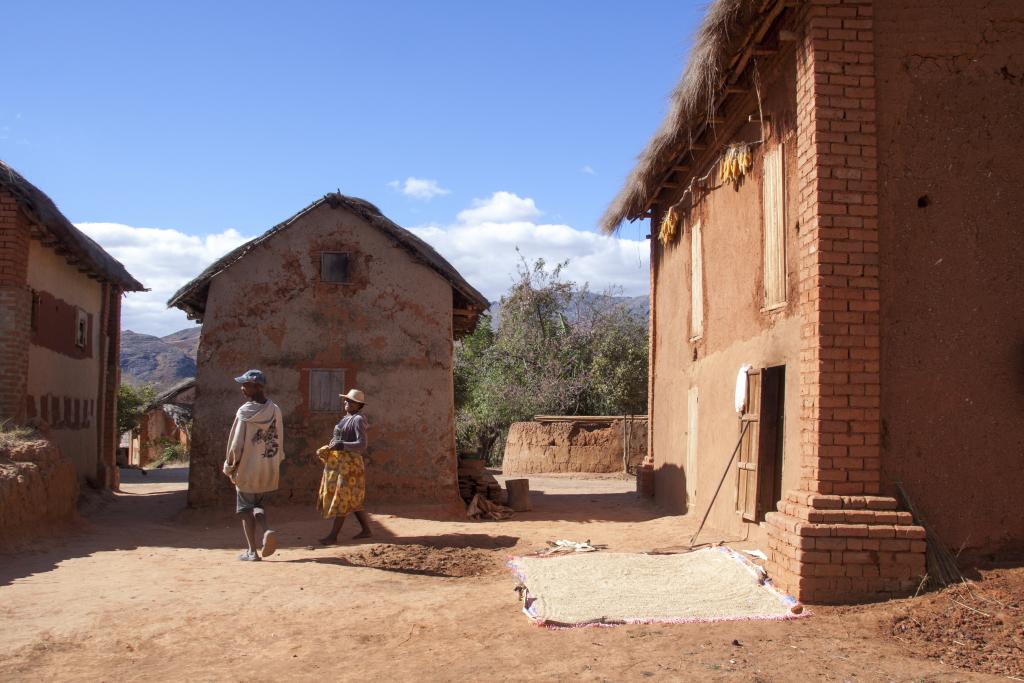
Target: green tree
<point x="558" y="349"/>
<point x="131" y="404"/>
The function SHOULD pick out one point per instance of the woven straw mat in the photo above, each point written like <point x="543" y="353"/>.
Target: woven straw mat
<point x="706" y="585"/>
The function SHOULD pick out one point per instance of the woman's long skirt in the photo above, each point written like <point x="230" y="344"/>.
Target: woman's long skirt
<point x="343" y="485"/>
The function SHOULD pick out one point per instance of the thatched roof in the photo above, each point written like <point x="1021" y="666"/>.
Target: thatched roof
<point x="56" y="231"/>
<point x="192" y="297"/>
<point x="171" y="395"/>
<point x="722" y="35"/>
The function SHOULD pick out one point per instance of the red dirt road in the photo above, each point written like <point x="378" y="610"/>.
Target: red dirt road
<point x="146" y="590"/>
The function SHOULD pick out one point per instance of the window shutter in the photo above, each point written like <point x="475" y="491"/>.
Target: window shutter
<point x="325" y="387"/>
<point x="334" y="266"/>
<point x="746" y="481"/>
<point x="696" y="283"/>
<point x="774" y="229"/>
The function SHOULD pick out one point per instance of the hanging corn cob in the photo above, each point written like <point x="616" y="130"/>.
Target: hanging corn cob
<point x="736" y="162"/>
<point x="669" y="228"/>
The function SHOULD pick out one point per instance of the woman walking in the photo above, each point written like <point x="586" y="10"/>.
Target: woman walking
<point x="343" y="485"/>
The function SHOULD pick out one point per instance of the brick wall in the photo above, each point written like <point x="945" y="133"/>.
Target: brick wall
<point x="110" y="378"/>
<point x="15" y="309"/>
<point x="834" y="539"/>
<point x="837" y="148"/>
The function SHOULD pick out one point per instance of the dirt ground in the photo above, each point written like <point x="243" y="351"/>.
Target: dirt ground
<point x="144" y="589"/>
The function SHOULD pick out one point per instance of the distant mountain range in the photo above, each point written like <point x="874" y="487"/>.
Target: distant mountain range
<point x="159" y="361"/>
<point x="165" y="361"/>
<point x="637" y="305"/>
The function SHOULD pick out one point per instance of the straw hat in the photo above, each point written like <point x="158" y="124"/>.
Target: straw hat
<point x="355" y="395"/>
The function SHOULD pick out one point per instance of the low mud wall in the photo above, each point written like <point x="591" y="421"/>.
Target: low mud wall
<point x="38" y="488"/>
<point x="572" y="446"/>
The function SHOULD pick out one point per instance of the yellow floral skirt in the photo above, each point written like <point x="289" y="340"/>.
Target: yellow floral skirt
<point x="343" y="484"/>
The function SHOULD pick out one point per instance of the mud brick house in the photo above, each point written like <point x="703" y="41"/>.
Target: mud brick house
<point x="166" y="421"/>
<point x="335" y="297"/>
<point x="833" y="203"/>
<point x="60" y="318"/>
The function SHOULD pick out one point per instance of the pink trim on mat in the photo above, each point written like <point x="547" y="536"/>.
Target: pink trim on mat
<point x="789" y="601"/>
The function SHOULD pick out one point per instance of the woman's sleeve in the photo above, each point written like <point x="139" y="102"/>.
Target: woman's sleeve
<point x="359" y="430"/>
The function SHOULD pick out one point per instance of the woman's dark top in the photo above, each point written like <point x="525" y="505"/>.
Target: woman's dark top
<point x="350" y="434"/>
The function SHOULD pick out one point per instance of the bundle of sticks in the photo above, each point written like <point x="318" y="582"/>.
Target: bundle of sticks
<point x="939" y="562"/>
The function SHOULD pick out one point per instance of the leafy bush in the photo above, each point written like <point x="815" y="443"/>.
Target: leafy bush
<point x="558" y="349"/>
<point x="131" y="405"/>
<point x="172" y="452"/>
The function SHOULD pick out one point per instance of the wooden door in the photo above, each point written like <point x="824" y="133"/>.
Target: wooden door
<point x="747" y="471"/>
<point x="769" y="450"/>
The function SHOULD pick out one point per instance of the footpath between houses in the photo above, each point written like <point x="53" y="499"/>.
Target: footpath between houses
<point x="147" y="587"/>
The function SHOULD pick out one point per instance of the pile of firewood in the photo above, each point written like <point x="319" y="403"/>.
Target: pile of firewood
<point x="474" y="479"/>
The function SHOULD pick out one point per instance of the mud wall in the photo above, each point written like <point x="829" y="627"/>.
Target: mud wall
<point x="63" y="378"/>
<point x="737" y="329"/>
<point x="38" y="488"/>
<point x="534" y="447"/>
<point x="950" y="79"/>
<point x="389" y="330"/>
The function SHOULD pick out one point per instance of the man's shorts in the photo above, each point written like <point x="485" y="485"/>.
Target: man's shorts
<point x="246" y="502"/>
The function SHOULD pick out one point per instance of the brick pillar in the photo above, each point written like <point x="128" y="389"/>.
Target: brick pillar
<point x="15" y="309"/>
<point x="106" y="465"/>
<point x="835" y="539"/>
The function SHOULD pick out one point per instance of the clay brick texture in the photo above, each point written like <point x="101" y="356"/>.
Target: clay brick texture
<point x="15" y="308"/>
<point x="836" y="539"/>
<point x="839" y="287"/>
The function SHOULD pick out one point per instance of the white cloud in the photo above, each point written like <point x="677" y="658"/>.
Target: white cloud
<point x="419" y="188"/>
<point x="500" y="207"/>
<point x="162" y="260"/>
<point x="482" y="246"/>
<point x="588" y="170"/>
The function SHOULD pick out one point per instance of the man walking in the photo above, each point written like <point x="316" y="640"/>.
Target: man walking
<point x="253" y="462"/>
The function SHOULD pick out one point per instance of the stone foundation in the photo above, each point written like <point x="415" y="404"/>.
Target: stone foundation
<point x="38" y="488"/>
<point x="838" y="549"/>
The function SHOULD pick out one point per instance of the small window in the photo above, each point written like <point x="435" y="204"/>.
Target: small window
<point x="81" y="328"/>
<point x="325" y="389"/>
<point x="334" y="266"/>
<point x="35" y="311"/>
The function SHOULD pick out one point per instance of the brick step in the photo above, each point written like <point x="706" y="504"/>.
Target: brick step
<point x="851" y="516"/>
<point x="839" y="562"/>
<point x="821" y="501"/>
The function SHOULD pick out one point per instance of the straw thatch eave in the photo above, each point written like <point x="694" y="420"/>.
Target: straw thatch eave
<point x="192" y="297"/>
<point x="723" y="34"/>
<point x="56" y="231"/>
<point x="171" y="395"/>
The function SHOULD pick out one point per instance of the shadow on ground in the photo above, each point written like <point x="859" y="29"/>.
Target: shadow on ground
<point x="151" y="511"/>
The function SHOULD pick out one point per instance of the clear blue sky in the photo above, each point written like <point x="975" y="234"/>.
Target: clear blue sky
<point x="207" y="116"/>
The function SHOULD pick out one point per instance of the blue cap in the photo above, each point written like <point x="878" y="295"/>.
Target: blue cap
<point x="252" y="376"/>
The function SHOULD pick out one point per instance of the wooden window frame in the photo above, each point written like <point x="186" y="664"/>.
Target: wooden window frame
<point x="348" y="267"/>
<point x="696" y="282"/>
<point x="334" y="399"/>
<point x="81" y="328"/>
<point x="775" y="277"/>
